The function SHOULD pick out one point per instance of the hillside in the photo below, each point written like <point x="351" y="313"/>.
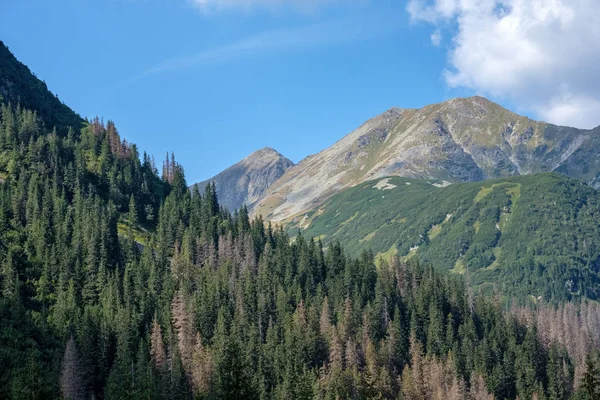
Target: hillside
<point x="529" y="235"/>
<point x="217" y="302"/>
<point x="19" y="85"/>
<point x="248" y="180"/>
<point x="218" y="306"/>
<point x="214" y="303"/>
<point x="460" y="140"/>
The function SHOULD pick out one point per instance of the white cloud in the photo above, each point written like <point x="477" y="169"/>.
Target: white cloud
<point x="436" y="38"/>
<point x="542" y="55"/>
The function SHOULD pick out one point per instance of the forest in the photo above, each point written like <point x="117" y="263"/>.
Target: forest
<point x="117" y="283"/>
<point x="525" y="236"/>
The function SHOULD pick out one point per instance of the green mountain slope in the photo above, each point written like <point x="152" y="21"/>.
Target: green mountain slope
<point x="217" y="306"/>
<point x="19" y="85"/>
<point x="91" y="154"/>
<point x="529" y="235"/>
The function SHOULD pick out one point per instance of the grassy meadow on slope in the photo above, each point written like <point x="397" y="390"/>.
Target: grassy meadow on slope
<point x="533" y="235"/>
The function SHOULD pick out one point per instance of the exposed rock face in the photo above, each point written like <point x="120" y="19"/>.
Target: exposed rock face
<point x="247" y="181"/>
<point x="456" y="141"/>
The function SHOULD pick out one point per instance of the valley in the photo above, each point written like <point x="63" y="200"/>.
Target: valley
<point x="450" y="252"/>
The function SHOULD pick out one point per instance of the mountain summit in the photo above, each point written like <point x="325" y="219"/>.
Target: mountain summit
<point x="460" y="140"/>
<point x="247" y="181"/>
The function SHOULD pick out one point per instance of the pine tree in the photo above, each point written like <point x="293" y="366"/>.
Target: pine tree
<point x="478" y="389"/>
<point x="435" y="335"/>
<point x="591" y="377"/>
<point x="559" y="374"/>
<point x="203" y="368"/>
<point x="133" y="212"/>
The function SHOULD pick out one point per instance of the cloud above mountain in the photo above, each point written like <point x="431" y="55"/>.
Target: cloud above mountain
<point x="542" y="55"/>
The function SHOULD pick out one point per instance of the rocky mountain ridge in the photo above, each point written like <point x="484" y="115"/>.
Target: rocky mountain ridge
<point x="247" y="181"/>
<point x="460" y="140"/>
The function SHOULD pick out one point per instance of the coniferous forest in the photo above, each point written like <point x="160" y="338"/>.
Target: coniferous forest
<point x="117" y="282"/>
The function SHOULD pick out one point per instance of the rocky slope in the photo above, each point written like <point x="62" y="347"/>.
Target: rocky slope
<point x="247" y="181"/>
<point x="459" y="140"/>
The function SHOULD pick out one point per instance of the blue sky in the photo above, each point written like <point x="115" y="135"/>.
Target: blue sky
<point x="214" y="80"/>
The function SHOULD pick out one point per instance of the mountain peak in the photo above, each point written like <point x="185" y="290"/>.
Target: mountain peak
<point x="483" y="102"/>
<point x="458" y="140"/>
<point x="246" y="181"/>
<point x="394" y="111"/>
<point x="473" y="101"/>
<point x="263" y="157"/>
<point x="265" y="152"/>
<point x="478" y="98"/>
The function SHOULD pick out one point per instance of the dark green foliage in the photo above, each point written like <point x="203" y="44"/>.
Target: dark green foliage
<point x="533" y="235"/>
<point x="560" y="374"/>
<point x="591" y="379"/>
<point x="217" y="305"/>
<point x="19" y="85"/>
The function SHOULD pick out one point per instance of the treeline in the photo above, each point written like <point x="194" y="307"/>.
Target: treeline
<point x="216" y="305"/>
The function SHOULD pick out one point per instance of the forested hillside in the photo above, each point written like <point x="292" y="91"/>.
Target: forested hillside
<point x="528" y="236"/>
<point x="19" y="86"/>
<point x="218" y="306"/>
<point x="116" y="283"/>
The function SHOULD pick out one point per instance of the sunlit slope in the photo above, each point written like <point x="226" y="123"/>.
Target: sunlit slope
<point x="533" y="235"/>
<point x="459" y="140"/>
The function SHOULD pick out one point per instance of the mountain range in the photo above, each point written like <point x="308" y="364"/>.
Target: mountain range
<point x="460" y="140"/>
<point x="218" y="305"/>
<point x="466" y="185"/>
<point x="396" y="186"/>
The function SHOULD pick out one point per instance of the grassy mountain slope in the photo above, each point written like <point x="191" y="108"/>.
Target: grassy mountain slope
<point x="460" y="140"/>
<point x="19" y="85"/>
<point x="528" y="235"/>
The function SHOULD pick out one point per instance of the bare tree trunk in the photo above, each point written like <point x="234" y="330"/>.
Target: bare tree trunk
<point x="72" y="381"/>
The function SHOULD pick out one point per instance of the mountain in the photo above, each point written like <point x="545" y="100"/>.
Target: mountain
<point x="19" y="85"/>
<point x="460" y="140"/>
<point x="216" y="306"/>
<point x="533" y="235"/>
<point x="247" y="181"/>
